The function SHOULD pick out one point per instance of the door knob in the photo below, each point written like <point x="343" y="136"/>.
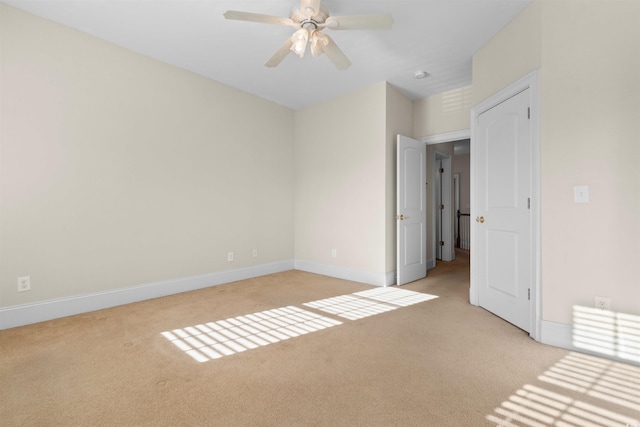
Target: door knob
<point x="401" y="217"/>
<point x="480" y="219"/>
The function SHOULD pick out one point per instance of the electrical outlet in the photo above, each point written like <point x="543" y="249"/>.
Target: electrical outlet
<point x="24" y="284"/>
<point x="602" y="303"/>
<point x="255" y="252"/>
<point x="334" y="253"/>
<point x="229" y="256"/>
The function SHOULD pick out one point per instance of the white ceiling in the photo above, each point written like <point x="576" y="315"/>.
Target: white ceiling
<point x="437" y="36"/>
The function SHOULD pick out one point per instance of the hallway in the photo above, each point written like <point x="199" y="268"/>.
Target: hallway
<point x="448" y="279"/>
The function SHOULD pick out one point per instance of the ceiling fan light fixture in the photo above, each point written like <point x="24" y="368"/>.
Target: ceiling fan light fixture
<point x="318" y="44"/>
<point x="309" y="17"/>
<point x="299" y="41"/>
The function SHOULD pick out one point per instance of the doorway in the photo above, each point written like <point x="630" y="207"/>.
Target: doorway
<point x="416" y="182"/>
<point x="446" y="159"/>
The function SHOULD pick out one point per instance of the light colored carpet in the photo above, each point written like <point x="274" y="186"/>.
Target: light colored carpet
<point x="439" y="362"/>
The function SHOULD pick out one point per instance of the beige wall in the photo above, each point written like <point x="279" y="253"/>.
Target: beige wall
<point x="590" y="125"/>
<point x="345" y="180"/>
<point x="443" y="113"/>
<point x="118" y="170"/>
<point x="588" y="54"/>
<point x="340" y="182"/>
<point x="511" y="54"/>
<point x="399" y="121"/>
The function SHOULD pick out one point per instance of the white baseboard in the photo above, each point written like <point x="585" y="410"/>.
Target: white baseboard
<point x="391" y="278"/>
<point x="561" y="335"/>
<point x="556" y="334"/>
<point x="26" y="314"/>
<point x="374" y="279"/>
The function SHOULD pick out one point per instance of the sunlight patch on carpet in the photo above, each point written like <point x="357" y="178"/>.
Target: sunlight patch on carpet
<point x="221" y="338"/>
<point x="401" y="297"/>
<point x="350" y="307"/>
<point x="604" y="379"/>
<point x="370" y="302"/>
<point x="215" y="340"/>
<point x="597" y="379"/>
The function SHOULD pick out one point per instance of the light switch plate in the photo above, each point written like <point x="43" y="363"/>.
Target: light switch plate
<point x="581" y="193"/>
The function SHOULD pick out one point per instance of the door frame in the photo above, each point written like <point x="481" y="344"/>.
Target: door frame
<point x="531" y="82"/>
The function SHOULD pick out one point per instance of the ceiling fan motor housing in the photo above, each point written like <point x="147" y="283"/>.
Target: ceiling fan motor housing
<point x="307" y="20"/>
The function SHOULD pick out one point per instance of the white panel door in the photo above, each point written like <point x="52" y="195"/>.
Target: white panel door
<point x="411" y="210"/>
<point x="503" y="216"/>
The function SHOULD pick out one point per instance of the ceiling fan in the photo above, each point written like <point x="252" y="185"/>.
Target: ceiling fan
<point x="309" y="18"/>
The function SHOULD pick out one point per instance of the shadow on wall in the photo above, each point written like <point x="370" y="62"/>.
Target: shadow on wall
<point x="607" y="332"/>
<point x="457" y="100"/>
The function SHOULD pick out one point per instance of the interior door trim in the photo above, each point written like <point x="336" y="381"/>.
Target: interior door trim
<point x="446" y="137"/>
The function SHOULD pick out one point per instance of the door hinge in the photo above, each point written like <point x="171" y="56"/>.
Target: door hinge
<point x="528" y="202"/>
<point x="529" y="294"/>
<point x="528" y="112"/>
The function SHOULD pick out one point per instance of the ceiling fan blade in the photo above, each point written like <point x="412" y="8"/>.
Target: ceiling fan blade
<point x="280" y="54"/>
<point x="336" y="55"/>
<point x="257" y="17"/>
<point x="360" y="22"/>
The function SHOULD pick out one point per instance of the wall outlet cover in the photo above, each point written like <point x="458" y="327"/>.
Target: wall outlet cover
<point x="602" y="303"/>
<point x="24" y="284"/>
